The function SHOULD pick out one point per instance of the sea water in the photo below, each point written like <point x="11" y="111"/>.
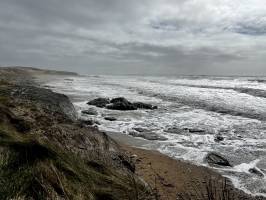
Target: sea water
<point x="231" y="107"/>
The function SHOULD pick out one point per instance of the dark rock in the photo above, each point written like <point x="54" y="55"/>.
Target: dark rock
<point x="217" y="160"/>
<point x="194" y="130"/>
<point x="218" y="138"/>
<point x="256" y="172"/>
<point x="139" y="129"/>
<point x="120" y="103"/>
<point x="88" y="122"/>
<point x="90" y="111"/>
<point x="119" y="99"/>
<point x="121" y="106"/>
<point x="53" y="102"/>
<point x="261" y="81"/>
<point x="147" y="135"/>
<point x="174" y="130"/>
<point x="99" y="102"/>
<point x="141" y="105"/>
<point x="134" y="134"/>
<point x="110" y="118"/>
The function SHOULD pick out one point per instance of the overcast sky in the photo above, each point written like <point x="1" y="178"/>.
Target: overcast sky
<point x="135" y="36"/>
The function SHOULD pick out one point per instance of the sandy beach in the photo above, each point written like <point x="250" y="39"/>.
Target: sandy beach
<point x="173" y="179"/>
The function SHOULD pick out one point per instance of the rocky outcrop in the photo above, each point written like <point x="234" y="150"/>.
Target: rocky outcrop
<point x="215" y="159"/>
<point x="46" y="99"/>
<point x="99" y="102"/>
<point x="120" y="103"/>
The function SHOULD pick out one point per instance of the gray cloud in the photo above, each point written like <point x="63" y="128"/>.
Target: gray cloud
<point x="135" y="37"/>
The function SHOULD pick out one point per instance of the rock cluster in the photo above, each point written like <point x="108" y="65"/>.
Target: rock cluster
<point x="120" y="103"/>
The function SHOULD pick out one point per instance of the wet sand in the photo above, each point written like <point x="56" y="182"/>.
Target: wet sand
<point x="172" y="179"/>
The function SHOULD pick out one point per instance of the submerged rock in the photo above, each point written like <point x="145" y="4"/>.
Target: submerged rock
<point x="99" y="102"/>
<point x="148" y="135"/>
<point x="110" y="118"/>
<point x="139" y="129"/>
<point x="141" y="105"/>
<point x="218" y="138"/>
<point x="90" y="111"/>
<point x="256" y="172"/>
<point x="174" y="130"/>
<point x="194" y="130"/>
<point x="217" y="160"/>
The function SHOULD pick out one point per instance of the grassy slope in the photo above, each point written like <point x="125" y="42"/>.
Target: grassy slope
<point x="34" y="168"/>
<point x="30" y="169"/>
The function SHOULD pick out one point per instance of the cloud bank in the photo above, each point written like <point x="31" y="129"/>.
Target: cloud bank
<point x="135" y="37"/>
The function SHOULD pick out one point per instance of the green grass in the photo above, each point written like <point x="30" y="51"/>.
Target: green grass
<point x="31" y="169"/>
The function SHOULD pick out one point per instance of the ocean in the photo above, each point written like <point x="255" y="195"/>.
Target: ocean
<point x="192" y="112"/>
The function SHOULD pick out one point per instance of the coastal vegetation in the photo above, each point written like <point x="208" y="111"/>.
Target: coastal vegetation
<point x="46" y="154"/>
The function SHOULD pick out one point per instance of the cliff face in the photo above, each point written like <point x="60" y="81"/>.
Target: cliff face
<point x="46" y="153"/>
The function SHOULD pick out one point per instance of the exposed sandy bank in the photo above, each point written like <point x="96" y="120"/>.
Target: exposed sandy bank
<point x="174" y="179"/>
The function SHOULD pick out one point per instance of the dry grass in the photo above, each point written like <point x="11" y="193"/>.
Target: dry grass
<point x="214" y="190"/>
<point x="30" y="169"/>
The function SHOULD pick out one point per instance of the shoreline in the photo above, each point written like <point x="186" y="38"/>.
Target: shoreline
<point x="168" y="177"/>
<point x="138" y="146"/>
<point x="176" y="179"/>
